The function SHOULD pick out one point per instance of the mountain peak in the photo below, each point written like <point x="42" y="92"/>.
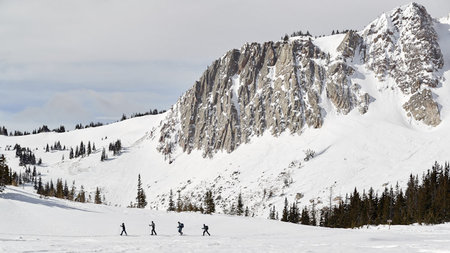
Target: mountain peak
<point x="290" y="85"/>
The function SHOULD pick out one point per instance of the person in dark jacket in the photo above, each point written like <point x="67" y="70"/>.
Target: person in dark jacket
<point x="180" y="228"/>
<point x="205" y="230"/>
<point x="123" y="229"/>
<point x="153" y="228"/>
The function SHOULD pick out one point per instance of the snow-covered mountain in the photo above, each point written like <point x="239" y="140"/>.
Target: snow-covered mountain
<point x="374" y="105"/>
<point x="292" y="85"/>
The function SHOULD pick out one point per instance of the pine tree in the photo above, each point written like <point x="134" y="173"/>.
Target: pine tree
<point x="72" y="192"/>
<point x="98" y="198"/>
<point x="240" y="206"/>
<point x="209" y="203"/>
<point x="81" y="197"/>
<point x="4" y="173"/>
<point x="103" y="156"/>
<point x="66" y="190"/>
<point x="140" y="198"/>
<point x="89" y="149"/>
<point x="171" y="204"/>
<point x="246" y="212"/>
<point x="272" y="214"/>
<point x="59" y="189"/>
<point x="305" y="220"/>
<point x="179" y="203"/>
<point x="40" y="188"/>
<point x="285" y="216"/>
<point x="294" y="215"/>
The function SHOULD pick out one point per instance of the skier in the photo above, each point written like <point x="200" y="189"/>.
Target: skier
<point x="153" y="228"/>
<point x="180" y="228"/>
<point x="123" y="229"/>
<point x="205" y="230"/>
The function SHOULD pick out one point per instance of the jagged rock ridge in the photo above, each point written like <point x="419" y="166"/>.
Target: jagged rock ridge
<point x="281" y="86"/>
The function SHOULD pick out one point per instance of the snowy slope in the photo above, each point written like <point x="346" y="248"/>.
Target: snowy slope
<point x="376" y="149"/>
<point x="32" y="224"/>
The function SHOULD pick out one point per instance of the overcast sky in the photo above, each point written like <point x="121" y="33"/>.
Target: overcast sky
<point x="64" y="62"/>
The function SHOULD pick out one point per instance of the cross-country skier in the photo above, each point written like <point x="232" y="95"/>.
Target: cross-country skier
<point x="123" y="229"/>
<point x="180" y="228"/>
<point x="153" y="228"/>
<point x="205" y="230"/>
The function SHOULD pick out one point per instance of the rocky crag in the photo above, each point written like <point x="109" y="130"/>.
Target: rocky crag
<point x="282" y="86"/>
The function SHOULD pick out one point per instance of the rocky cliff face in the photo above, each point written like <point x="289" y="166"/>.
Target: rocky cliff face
<point x="282" y="86"/>
<point x="403" y="46"/>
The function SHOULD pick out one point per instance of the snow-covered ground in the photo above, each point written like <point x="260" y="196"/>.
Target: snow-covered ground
<point x="31" y="224"/>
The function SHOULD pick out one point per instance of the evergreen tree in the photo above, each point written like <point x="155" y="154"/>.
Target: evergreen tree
<point x="72" y="192"/>
<point x="66" y="190"/>
<point x="171" y="204"/>
<point x="59" y="189"/>
<point x="40" y="188"/>
<point x="285" y="216"/>
<point x="305" y="220"/>
<point x="294" y="215"/>
<point x="179" y="203"/>
<point x="272" y="214"/>
<point x="103" y="156"/>
<point x="81" y="197"/>
<point x="4" y="173"/>
<point x="98" y="198"/>
<point x="140" y="198"/>
<point x="240" y="205"/>
<point x="89" y="149"/>
<point x="210" y="207"/>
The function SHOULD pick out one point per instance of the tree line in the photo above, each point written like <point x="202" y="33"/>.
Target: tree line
<point x="82" y="150"/>
<point x="62" y="191"/>
<point x="425" y="201"/>
<point x="61" y="129"/>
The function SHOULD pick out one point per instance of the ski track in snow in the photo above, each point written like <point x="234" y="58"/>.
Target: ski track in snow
<point x="53" y="225"/>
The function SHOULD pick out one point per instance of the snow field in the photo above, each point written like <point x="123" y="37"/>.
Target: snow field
<point x="31" y="224"/>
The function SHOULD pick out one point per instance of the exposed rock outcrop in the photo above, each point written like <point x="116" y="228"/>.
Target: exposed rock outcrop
<point x="280" y="86"/>
<point x="403" y="45"/>
<point x="422" y="107"/>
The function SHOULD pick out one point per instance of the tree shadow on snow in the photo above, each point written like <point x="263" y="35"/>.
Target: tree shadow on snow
<point x="23" y="197"/>
<point x="322" y="151"/>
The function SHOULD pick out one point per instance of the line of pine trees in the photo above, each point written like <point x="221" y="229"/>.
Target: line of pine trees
<point x="425" y="201"/>
<point x="62" y="191"/>
<point x="207" y="206"/>
<point x="56" y="146"/>
<point x="82" y="150"/>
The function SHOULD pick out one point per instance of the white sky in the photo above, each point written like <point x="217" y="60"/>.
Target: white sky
<point x="64" y="62"/>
